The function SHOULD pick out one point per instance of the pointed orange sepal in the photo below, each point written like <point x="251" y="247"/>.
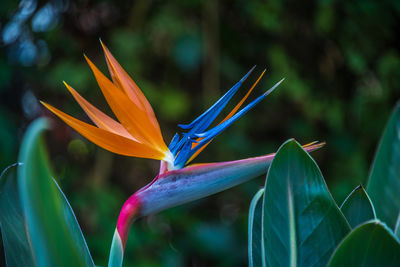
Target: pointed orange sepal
<point x="110" y="141"/>
<point x="124" y="82"/>
<point x="132" y="117"/>
<point x="98" y="117"/>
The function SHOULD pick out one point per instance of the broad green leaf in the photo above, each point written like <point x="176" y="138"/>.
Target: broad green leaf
<point x="54" y="233"/>
<point x="357" y="207"/>
<point x="302" y="225"/>
<point x="384" y="181"/>
<point x="255" y="221"/>
<point x="370" y="244"/>
<point x="17" y="249"/>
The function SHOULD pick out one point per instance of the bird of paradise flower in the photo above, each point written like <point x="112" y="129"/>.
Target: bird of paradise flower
<point x="138" y="134"/>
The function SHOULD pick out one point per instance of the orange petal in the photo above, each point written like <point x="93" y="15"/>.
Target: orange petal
<point x="131" y="116"/>
<point x="107" y="140"/>
<point x="234" y="110"/>
<point x="123" y="81"/>
<point x="99" y="118"/>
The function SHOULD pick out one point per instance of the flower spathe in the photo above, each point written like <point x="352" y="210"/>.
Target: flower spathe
<point x="137" y="134"/>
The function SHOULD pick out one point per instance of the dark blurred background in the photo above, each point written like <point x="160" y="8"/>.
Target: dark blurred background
<point x="341" y="61"/>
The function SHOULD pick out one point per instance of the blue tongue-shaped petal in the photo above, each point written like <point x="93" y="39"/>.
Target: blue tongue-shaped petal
<point x="210" y="134"/>
<point x="202" y="122"/>
<point x="214" y="110"/>
<point x="174" y="141"/>
<point x="219" y="128"/>
<point x="183" y="154"/>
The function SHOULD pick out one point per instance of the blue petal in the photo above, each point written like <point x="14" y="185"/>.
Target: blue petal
<point x="182" y="148"/>
<point x="210" y="134"/>
<point x="202" y="122"/>
<point x="174" y="141"/>
<point x="184" y="154"/>
<point x="215" y="109"/>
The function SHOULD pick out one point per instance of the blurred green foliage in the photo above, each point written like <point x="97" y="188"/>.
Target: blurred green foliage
<point x="341" y="61"/>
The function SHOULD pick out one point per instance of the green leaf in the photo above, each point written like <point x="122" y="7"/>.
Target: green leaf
<point x="384" y="181"/>
<point x="302" y="224"/>
<point x="255" y="222"/>
<point x="370" y="244"/>
<point x="357" y="207"/>
<point x="54" y="233"/>
<point x="15" y="239"/>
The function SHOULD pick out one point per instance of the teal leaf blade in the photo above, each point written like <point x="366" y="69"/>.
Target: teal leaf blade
<point x="54" y="233"/>
<point x="302" y="224"/>
<point x="357" y="207"/>
<point x="384" y="180"/>
<point x="16" y="244"/>
<point x="254" y="234"/>
<point x="370" y="244"/>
